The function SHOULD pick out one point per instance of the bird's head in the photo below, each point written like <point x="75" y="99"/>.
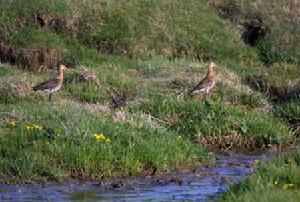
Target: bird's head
<point x="212" y="65"/>
<point x="62" y="67"/>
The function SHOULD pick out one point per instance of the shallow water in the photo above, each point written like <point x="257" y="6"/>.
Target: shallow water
<point x="201" y="184"/>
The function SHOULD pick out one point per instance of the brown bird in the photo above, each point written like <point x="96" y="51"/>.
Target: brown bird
<point x="208" y="82"/>
<point x="52" y="85"/>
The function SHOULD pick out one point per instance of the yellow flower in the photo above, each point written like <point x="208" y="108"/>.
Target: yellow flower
<point x="32" y="126"/>
<point x="12" y="123"/>
<point x="287" y="186"/>
<point x="256" y="162"/>
<point x="101" y="137"/>
<point x="37" y="126"/>
<point x="29" y="128"/>
<point x="275" y="182"/>
<point x="122" y="109"/>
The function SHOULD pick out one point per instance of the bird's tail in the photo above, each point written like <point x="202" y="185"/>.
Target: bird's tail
<point x="35" y="88"/>
<point x="194" y="90"/>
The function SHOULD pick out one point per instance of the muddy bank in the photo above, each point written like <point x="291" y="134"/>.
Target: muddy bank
<point x="203" y="183"/>
<point x="30" y="58"/>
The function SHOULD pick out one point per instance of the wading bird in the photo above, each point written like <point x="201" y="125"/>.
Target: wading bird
<point x="52" y="85"/>
<point x="208" y="82"/>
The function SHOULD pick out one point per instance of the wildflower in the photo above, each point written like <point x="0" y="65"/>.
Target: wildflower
<point x="275" y="182"/>
<point x="12" y="123"/>
<point x="179" y="137"/>
<point x="256" y="162"/>
<point x="101" y="137"/>
<point x="37" y="126"/>
<point x="122" y="109"/>
<point x="287" y="186"/>
<point x="289" y="162"/>
<point x="31" y="127"/>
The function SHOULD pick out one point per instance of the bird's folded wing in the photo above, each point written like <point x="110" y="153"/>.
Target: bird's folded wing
<point x="50" y="84"/>
<point x="203" y="84"/>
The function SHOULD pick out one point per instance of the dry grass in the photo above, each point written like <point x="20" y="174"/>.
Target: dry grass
<point x="237" y="142"/>
<point x="232" y="80"/>
<point x="13" y="90"/>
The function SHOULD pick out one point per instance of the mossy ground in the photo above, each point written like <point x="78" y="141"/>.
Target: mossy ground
<point x="147" y="56"/>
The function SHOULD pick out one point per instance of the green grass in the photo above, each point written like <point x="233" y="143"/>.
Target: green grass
<point x="65" y="146"/>
<point x="129" y="28"/>
<point x="213" y="118"/>
<point x="151" y="53"/>
<point x="270" y="182"/>
<point x="290" y="112"/>
<point x="280" y="24"/>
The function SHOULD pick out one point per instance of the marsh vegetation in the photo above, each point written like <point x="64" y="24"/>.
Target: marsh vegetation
<point x="144" y="57"/>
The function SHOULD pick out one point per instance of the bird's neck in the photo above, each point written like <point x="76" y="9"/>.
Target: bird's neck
<point x="60" y="75"/>
<point x="210" y="72"/>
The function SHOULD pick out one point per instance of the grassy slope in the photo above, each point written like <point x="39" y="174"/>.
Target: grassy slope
<point x="136" y="29"/>
<point x="279" y="21"/>
<point x="134" y="48"/>
<point x="65" y="146"/>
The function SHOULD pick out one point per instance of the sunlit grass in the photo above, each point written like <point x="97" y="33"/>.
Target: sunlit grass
<point x="62" y="141"/>
<point x="150" y="54"/>
<point x="213" y="118"/>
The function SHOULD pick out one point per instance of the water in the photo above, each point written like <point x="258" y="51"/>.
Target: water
<point x="201" y="184"/>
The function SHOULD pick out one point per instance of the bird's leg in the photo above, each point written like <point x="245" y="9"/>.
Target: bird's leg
<point x="205" y="96"/>
<point x="206" y="99"/>
<point x="50" y="96"/>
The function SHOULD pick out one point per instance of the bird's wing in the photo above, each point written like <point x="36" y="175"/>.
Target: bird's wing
<point x="203" y="84"/>
<point x="49" y="84"/>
